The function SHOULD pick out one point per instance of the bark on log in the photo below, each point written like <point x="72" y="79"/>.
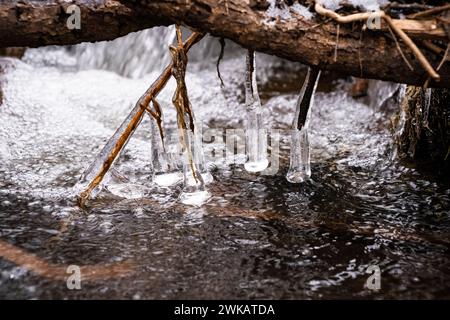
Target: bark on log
<point x="424" y="127"/>
<point x="312" y="42"/>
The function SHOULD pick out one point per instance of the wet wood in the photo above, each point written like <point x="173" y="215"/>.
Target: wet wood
<point x="424" y="127"/>
<point x="366" y="54"/>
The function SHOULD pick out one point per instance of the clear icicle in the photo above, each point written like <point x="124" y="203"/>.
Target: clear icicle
<point x="426" y="107"/>
<point x="165" y="170"/>
<point x="96" y="167"/>
<point x="256" y="135"/>
<point x="300" y="167"/>
<point x="195" y="173"/>
<point x="199" y="155"/>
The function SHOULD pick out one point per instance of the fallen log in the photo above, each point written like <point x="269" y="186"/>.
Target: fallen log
<point x="316" y="41"/>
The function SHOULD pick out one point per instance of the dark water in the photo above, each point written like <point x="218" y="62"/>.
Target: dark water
<point x="258" y="237"/>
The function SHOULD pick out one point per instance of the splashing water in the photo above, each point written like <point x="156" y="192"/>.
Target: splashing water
<point x="300" y="166"/>
<point x="146" y="53"/>
<point x="256" y="134"/>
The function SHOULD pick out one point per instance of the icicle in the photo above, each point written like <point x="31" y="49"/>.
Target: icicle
<point x="300" y="168"/>
<point x="196" y="176"/>
<point x="256" y="135"/>
<point x="199" y="155"/>
<point x="165" y="170"/>
<point x="194" y="190"/>
<point x="426" y="108"/>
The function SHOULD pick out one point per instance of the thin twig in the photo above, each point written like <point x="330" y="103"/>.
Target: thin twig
<point x="434" y="48"/>
<point x="429" y="12"/>
<point x="444" y="58"/>
<point x="400" y="49"/>
<point x="382" y="15"/>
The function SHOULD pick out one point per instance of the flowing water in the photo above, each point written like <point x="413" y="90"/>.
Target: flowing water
<point x="258" y="236"/>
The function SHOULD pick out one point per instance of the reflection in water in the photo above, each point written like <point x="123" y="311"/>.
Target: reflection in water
<point x="44" y="269"/>
<point x="258" y="236"/>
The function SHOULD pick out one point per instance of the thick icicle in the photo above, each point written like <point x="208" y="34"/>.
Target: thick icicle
<point x="256" y="135"/>
<point x="194" y="190"/>
<point x="300" y="168"/>
<point x="165" y="169"/>
<point x="198" y="154"/>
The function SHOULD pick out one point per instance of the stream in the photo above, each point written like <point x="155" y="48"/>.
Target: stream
<point x="258" y="236"/>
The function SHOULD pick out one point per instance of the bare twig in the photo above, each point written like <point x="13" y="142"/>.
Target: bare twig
<point x="400" y="49"/>
<point x="382" y="15"/>
<point x="444" y="58"/>
<point x="432" y="47"/>
<point x="396" y="5"/>
<point x="429" y="12"/>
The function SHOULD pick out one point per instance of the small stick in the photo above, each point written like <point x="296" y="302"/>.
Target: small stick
<point x="444" y="58"/>
<point x="431" y="46"/>
<point x="380" y="14"/>
<point x="396" y="5"/>
<point x="429" y="12"/>
<point x="419" y="55"/>
<point x="400" y="49"/>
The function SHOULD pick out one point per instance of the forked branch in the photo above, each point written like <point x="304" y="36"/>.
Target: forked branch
<point x="131" y="123"/>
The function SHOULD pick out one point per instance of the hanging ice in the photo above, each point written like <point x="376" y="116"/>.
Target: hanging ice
<point x="165" y="169"/>
<point x="196" y="176"/>
<point x="199" y="155"/>
<point x="300" y="168"/>
<point x="256" y="135"/>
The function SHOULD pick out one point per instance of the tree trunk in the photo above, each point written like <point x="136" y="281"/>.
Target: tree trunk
<point x="365" y="54"/>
